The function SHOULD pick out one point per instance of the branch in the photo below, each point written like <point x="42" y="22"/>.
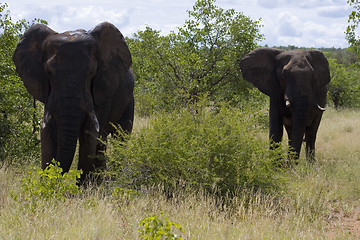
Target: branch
<point x="211" y="86"/>
<point x="212" y="64"/>
<point x="177" y="76"/>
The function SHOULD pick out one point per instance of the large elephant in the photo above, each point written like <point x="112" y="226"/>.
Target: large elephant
<point x="296" y="82"/>
<point x="86" y="84"/>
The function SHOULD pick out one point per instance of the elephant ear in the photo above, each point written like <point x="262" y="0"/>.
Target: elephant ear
<point x="28" y="61"/>
<point x="321" y="68"/>
<point x="259" y="68"/>
<point x="114" y="60"/>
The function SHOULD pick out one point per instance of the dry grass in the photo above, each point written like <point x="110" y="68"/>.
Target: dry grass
<point x="139" y="123"/>
<point x="320" y="202"/>
<point x="95" y="216"/>
<point x="339" y="134"/>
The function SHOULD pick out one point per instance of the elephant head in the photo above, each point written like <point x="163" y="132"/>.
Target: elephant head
<point x="296" y="82"/>
<point x="75" y="74"/>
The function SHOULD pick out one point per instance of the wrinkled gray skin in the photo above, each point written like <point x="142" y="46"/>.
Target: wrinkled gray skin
<point x="85" y="82"/>
<point x="296" y="82"/>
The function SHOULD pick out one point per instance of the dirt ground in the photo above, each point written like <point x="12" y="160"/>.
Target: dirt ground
<point x="347" y="223"/>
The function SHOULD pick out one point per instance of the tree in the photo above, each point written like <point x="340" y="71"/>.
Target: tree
<point x="17" y="115"/>
<point x="354" y="20"/>
<point x="201" y="58"/>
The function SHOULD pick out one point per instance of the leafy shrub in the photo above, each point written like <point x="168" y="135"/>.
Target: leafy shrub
<point x="49" y="184"/>
<point x="19" y="121"/>
<point x="216" y="148"/>
<point x="344" y="88"/>
<point x="156" y="227"/>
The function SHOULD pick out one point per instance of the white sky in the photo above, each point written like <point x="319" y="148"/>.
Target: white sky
<point x="303" y="23"/>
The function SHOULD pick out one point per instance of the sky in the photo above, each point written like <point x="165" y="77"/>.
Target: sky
<point x="301" y="23"/>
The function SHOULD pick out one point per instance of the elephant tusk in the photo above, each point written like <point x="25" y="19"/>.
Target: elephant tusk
<point x="287" y="103"/>
<point x="316" y="105"/>
<point x="46" y="119"/>
<point x="94" y="120"/>
<point x="320" y="108"/>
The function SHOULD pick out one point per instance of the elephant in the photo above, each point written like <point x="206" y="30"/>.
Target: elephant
<point x="296" y="82"/>
<point x="85" y="82"/>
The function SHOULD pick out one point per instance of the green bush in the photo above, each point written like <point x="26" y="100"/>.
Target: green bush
<point x="212" y="147"/>
<point x="48" y="184"/>
<point x="156" y="227"/>
<point x="344" y="87"/>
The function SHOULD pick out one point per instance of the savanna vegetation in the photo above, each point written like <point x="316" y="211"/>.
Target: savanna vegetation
<point x="197" y="165"/>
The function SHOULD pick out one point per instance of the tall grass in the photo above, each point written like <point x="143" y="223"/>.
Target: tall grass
<point x="318" y="202"/>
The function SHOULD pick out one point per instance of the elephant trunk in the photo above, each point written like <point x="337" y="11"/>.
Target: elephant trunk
<point x="68" y="128"/>
<point x="300" y="116"/>
<point x="69" y="116"/>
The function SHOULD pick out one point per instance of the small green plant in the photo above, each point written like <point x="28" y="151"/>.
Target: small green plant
<point x="159" y="227"/>
<point x="50" y="183"/>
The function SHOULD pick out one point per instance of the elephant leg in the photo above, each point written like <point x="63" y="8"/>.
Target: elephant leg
<point x="275" y="122"/>
<point x="310" y="138"/>
<point x="100" y="161"/>
<point x="48" y="140"/>
<point x="87" y="151"/>
<point x="310" y="145"/>
<point x="276" y="130"/>
<point x="289" y="133"/>
<point x="127" y="119"/>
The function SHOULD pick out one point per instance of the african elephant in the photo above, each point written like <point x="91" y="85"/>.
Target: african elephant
<point x="296" y="82"/>
<point x="86" y="84"/>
